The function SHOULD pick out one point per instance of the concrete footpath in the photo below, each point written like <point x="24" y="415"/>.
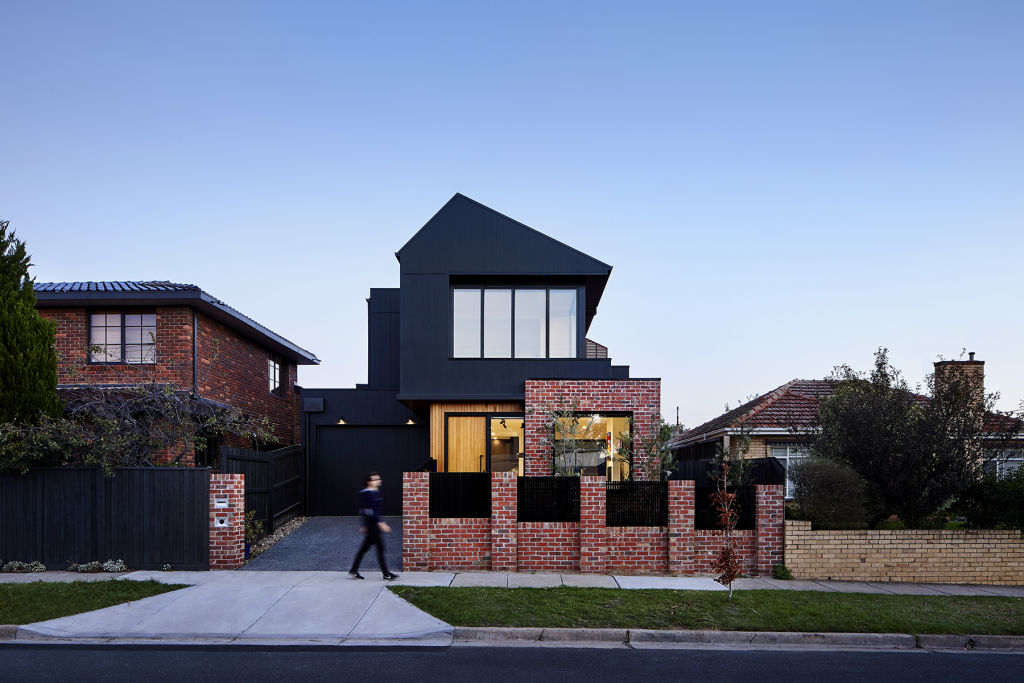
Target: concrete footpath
<point x="329" y="609"/>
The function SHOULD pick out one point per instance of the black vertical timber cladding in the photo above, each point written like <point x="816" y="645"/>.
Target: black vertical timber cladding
<point x="274" y="482"/>
<point x="148" y="517"/>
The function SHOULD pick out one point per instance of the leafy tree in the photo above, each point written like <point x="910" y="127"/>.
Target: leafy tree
<point x="28" y="360"/>
<point x="566" y="433"/>
<point x="831" y="495"/>
<point x="917" y="453"/>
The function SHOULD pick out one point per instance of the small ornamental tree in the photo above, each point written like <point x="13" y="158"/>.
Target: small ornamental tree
<point x="566" y="433"/>
<point x="28" y="360"/>
<point x="728" y="471"/>
<point x="651" y="450"/>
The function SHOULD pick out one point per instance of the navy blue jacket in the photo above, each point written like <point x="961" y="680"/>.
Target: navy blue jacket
<point x="369" y="506"/>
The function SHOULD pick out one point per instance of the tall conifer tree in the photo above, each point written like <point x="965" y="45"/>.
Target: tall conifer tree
<point x="28" y="361"/>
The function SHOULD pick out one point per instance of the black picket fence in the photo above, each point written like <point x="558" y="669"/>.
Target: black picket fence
<point x="758" y="471"/>
<point x="274" y="482"/>
<point x="148" y="517"/>
<point x="636" y="503"/>
<point x="548" y="499"/>
<point x="460" y="494"/>
<point x="705" y="516"/>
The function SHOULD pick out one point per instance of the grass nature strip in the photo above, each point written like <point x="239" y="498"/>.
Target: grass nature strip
<point x="26" y="603"/>
<point x="751" y="610"/>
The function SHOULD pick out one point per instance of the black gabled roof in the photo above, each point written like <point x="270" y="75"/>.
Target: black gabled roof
<point x="467" y="240"/>
<point x="460" y="207"/>
<point x="165" y="293"/>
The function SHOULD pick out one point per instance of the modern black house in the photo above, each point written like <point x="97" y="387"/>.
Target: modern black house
<point x="488" y="326"/>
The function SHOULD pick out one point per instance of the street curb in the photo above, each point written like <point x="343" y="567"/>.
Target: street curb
<point x="888" y="641"/>
<point x="8" y="631"/>
<point x="952" y="642"/>
<point x="645" y="638"/>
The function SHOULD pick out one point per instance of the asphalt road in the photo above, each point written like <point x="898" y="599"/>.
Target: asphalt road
<point x="329" y="544"/>
<point x="108" y="663"/>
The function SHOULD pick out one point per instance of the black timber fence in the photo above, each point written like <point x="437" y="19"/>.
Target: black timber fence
<point x="636" y="503"/>
<point x="274" y="481"/>
<point x="548" y="499"/>
<point x="460" y="494"/>
<point x="705" y="516"/>
<point x="149" y="517"/>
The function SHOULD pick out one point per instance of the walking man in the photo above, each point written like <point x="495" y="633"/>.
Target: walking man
<point x="373" y="526"/>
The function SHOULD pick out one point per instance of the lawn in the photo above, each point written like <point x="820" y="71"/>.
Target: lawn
<point x="752" y="610"/>
<point x="25" y="603"/>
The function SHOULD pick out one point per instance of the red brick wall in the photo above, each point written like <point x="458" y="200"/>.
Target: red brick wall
<point x="639" y="397"/>
<point x="504" y="509"/>
<point x="706" y="543"/>
<point x="460" y="544"/>
<point x="637" y="550"/>
<point x="771" y="533"/>
<point x="173" y="349"/>
<point x="416" y="521"/>
<point x="501" y="544"/>
<point x="227" y="524"/>
<point x="231" y="368"/>
<point x="549" y="546"/>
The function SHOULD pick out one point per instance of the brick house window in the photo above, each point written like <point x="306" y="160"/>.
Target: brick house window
<point x="274" y="374"/>
<point x="119" y="337"/>
<point x="789" y="455"/>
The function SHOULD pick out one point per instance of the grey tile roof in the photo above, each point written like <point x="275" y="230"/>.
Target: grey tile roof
<point x="136" y="286"/>
<point x="163" y="291"/>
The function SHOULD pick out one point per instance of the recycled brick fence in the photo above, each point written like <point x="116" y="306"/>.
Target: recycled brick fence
<point x="500" y="542"/>
<point x="923" y="555"/>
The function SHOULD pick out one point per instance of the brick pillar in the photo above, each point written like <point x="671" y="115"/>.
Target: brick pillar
<point x="770" y="527"/>
<point x="504" y="516"/>
<point x="416" y="521"/>
<point x="593" y="544"/>
<point x="227" y="521"/>
<point x="680" y="527"/>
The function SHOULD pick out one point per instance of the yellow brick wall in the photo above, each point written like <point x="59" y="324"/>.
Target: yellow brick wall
<point x="922" y="555"/>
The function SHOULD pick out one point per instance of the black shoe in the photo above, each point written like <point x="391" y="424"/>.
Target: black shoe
<point x="356" y="575"/>
<point x="390" y="577"/>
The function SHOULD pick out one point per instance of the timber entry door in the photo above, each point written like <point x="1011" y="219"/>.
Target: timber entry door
<point x="467" y="444"/>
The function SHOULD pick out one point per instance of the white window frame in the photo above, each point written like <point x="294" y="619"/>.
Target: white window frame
<point x="794" y="453"/>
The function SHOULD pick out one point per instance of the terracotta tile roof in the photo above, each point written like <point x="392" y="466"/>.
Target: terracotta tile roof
<point x="794" y="404"/>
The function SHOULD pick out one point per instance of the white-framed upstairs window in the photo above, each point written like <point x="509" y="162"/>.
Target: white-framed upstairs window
<point x="515" y="322"/>
<point x="788" y="455"/>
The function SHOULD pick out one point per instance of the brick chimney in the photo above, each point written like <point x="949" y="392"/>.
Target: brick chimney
<point x="970" y="371"/>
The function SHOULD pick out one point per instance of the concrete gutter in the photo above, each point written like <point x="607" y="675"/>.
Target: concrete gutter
<point x="657" y="639"/>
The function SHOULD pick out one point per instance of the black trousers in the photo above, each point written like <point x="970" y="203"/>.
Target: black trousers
<point x="373" y="537"/>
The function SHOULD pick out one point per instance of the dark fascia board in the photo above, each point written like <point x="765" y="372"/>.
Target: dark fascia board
<point x="199" y="300"/>
<point x="458" y="196"/>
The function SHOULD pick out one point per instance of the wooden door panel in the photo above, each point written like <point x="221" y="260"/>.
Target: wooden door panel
<point x="467" y="444"/>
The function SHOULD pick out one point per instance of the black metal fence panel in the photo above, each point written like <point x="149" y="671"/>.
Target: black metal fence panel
<point x="636" y="503"/>
<point x="705" y="516"/>
<point x="548" y="499"/>
<point x="759" y="471"/>
<point x="460" y="494"/>
<point x="148" y="517"/>
<point x="274" y="481"/>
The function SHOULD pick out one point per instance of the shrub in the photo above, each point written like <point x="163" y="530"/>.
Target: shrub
<point x="23" y="567"/>
<point x="830" y="495"/>
<point x="97" y="566"/>
<point x="782" y="572"/>
<point x="994" y="502"/>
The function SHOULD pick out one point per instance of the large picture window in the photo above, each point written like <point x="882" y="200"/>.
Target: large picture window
<point x="117" y="337"/>
<point x="506" y="322"/>
<point x="592" y="443"/>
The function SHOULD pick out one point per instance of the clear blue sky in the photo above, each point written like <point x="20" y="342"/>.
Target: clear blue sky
<point x="780" y="186"/>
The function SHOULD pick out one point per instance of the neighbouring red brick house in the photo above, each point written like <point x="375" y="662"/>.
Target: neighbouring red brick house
<point x="117" y="333"/>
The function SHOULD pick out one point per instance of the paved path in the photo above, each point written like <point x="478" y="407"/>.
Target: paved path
<point x="329" y="544"/>
<point x="329" y="608"/>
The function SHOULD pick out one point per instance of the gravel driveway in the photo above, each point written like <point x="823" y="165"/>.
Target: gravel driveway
<point x="329" y="544"/>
